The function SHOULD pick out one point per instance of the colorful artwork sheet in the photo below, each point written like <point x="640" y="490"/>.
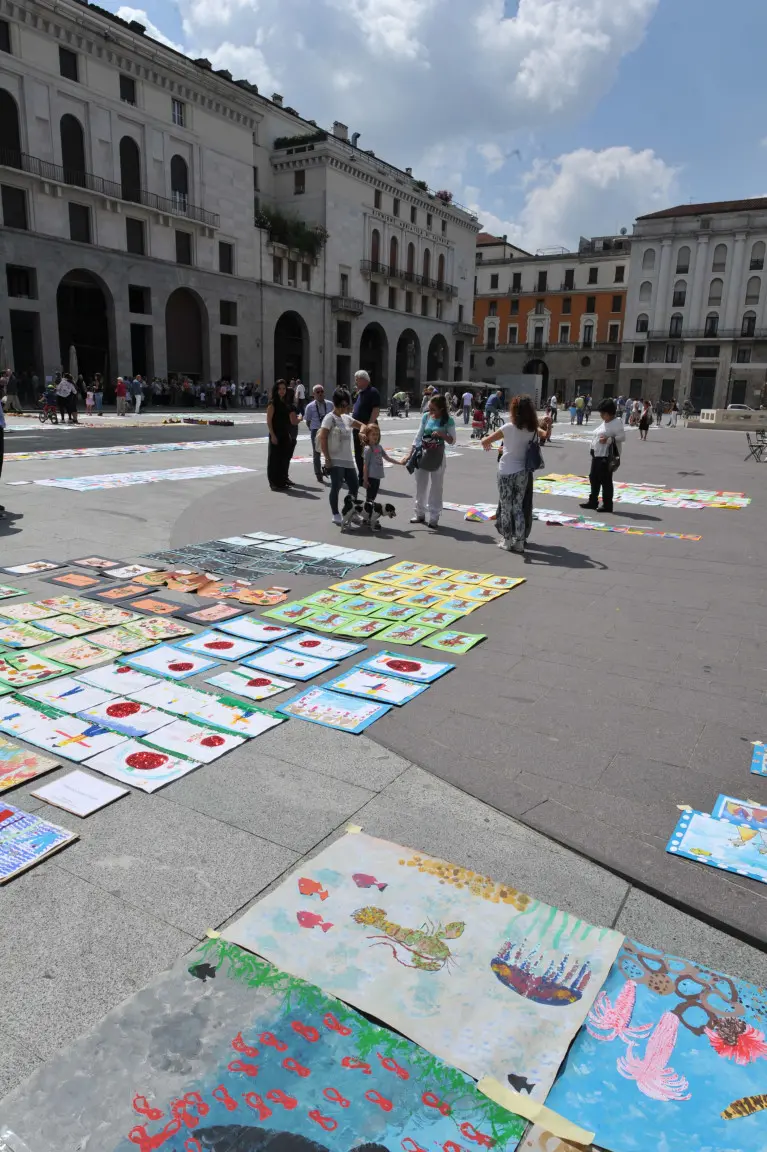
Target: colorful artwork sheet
<point x="647" y="494"/>
<point x="19" y="765"/>
<point x="75" y="653"/>
<point x="322" y="646"/>
<point x="291" y="613"/>
<point x="27" y="839"/>
<point x="79" y="793"/>
<point x="118" y="678"/>
<point x="295" y="665"/>
<point x="743" y="812"/>
<point x="361" y="628"/>
<point x="221" y="646"/>
<point x="326" y="599"/>
<point x="172" y="697"/>
<point x="677" y="1048"/>
<point x="234" y="716"/>
<point x="7" y="591"/>
<point x="464" y="577"/>
<point x="71" y="737"/>
<point x="166" y="660"/>
<point x="121" y="640"/>
<point x="249" y="628"/>
<point x="128" y="479"/>
<point x="154" y="628"/>
<point x="396" y="613"/>
<point x="128" y="717"/>
<point x="738" y="848"/>
<point x="361" y="606"/>
<point x="26" y="613"/>
<point x="388" y="594"/>
<point x="194" y="742"/>
<point x="33" y="568"/>
<point x="18" y="718"/>
<point x="459" y="604"/>
<point x="22" y="635"/>
<point x="26" y="668"/>
<point x="759" y="760"/>
<point x="107" y="615"/>
<point x="97" y="562"/>
<point x="454" y="641"/>
<point x="405" y="634"/>
<point x="408" y="568"/>
<point x="251" y="685"/>
<point x="153" y="606"/>
<point x="323" y="621"/>
<point x="213" y="614"/>
<point x="118" y="592"/>
<point x="352" y="587"/>
<point x="75" y="579"/>
<point x="395" y="664"/>
<point x="408" y="583"/>
<point x="436" y="618"/>
<point x="334" y="710"/>
<point x="488" y="978"/>
<point x="359" y="681"/>
<point x="135" y="763"/>
<point x="73" y="604"/>
<point x="67" y="626"/>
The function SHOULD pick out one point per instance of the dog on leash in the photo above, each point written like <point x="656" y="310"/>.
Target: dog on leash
<point x="364" y="514"/>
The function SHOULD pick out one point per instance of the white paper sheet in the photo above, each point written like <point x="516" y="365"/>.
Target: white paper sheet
<point x="79" y="793"/>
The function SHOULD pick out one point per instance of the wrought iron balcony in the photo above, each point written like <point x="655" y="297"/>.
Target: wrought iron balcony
<point x="177" y="206"/>
<point x="347" y="304"/>
<point x="391" y="272"/>
<point x="463" y="329"/>
<point x="702" y="334"/>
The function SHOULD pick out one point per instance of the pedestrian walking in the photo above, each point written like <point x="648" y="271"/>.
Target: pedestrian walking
<point x="589" y="404"/>
<point x="645" y="420"/>
<point x="428" y="458"/>
<point x="573" y="411"/>
<point x="12" y="392"/>
<point x="365" y="411"/>
<point x="580" y="404"/>
<point x="89" y="400"/>
<point x="137" y="392"/>
<point x="280" y="419"/>
<point x="316" y="411"/>
<point x="338" y="447"/>
<point x="466" y="401"/>
<point x="514" y="517"/>
<point x="673" y="415"/>
<point x="605" y="457"/>
<point x="659" y="413"/>
<point x="300" y="397"/>
<point x="554" y="406"/>
<point x="121" y="392"/>
<point x="98" y="394"/>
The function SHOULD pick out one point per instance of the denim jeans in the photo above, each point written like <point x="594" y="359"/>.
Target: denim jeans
<point x="339" y="477"/>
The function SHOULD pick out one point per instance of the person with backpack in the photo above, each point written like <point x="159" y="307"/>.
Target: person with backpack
<point x="521" y="457"/>
<point x="605" y="456"/>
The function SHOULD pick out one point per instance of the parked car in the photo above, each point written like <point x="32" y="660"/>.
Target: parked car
<point x="739" y="408"/>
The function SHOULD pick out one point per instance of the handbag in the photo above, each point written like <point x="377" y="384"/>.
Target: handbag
<point x="613" y="457"/>
<point x="533" y="455"/>
<point x="431" y="456"/>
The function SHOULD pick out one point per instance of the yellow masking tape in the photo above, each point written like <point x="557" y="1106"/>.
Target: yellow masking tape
<point x="353" y="828"/>
<point x="211" y="934"/>
<point x="533" y="1110"/>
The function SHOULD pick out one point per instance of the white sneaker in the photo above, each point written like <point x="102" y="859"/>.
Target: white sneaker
<point x="337" y="518"/>
<point x="417" y="519"/>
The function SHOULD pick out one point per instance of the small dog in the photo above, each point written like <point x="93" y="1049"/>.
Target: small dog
<point x="364" y="514"/>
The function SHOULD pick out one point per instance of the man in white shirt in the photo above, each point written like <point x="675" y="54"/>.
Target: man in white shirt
<point x="300" y="397"/>
<point x="467" y="400"/>
<point x="554" y="405"/>
<point x="316" y="411"/>
<point x="604" y="449"/>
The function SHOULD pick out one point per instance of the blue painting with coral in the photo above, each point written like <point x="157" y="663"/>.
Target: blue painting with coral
<point x="673" y="1056"/>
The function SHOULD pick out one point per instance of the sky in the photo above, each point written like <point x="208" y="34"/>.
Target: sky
<point x="551" y="119"/>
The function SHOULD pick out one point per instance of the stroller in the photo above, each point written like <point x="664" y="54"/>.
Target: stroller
<point x="478" y="428"/>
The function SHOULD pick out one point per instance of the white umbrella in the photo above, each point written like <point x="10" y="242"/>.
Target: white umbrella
<point x="4" y="365"/>
<point x="73" y="369"/>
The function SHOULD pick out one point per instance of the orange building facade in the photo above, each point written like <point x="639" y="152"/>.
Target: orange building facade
<point x="558" y="315"/>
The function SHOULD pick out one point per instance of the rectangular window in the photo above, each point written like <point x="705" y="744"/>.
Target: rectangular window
<point x="620" y="273"/>
<point x="706" y="351"/>
<point x="542" y="278"/>
<point x="639" y="351"/>
<point x="712" y="326"/>
<point x="567" y="305"/>
<point x="593" y="275"/>
<point x="344" y="283"/>
<point x="460" y="352"/>
<point x="68" y="64"/>
<point x="675" y="327"/>
<point x="679" y="297"/>
<point x="226" y="257"/>
<point x="392" y="297"/>
<point x="513" y="334"/>
<point x="744" y="356"/>
<point x="80" y="223"/>
<point x="471" y="359"/>
<point x="183" y="247"/>
<point x="491" y="338"/>
<point x="14" y="207"/>
<point x="377" y="198"/>
<point x="515" y="307"/>
<point x="428" y="220"/>
<point x="672" y="353"/>
<point x="667" y="389"/>
<point x="635" y="389"/>
<point x="408" y="301"/>
<point x="460" y="313"/>
<point x="344" y="333"/>
<point x="139" y="300"/>
<point x="128" y="89"/>
<point x="292" y="273"/>
<point x="494" y="282"/>
<point x="424" y="305"/>
<point x="438" y="309"/>
<point x="227" y="310"/>
<point x="569" y="283"/>
<point x="617" y="304"/>
<point x="444" y="227"/>
<point x="591" y="304"/>
<point x="516" y="281"/>
<point x="493" y="309"/>
<point x="276" y="269"/>
<point x="22" y="282"/>
<point x="538" y="336"/>
<point x="613" y="333"/>
<point x="395" y="206"/>
<point x="178" y="113"/>
<point x="306" y="276"/>
<point x="134" y="236"/>
<point x="588" y="335"/>
<point x="564" y="333"/>
<point x="612" y="361"/>
<point x="539" y="307"/>
<point x="413" y="214"/>
<point x="373" y="292"/>
<point x="299" y="182"/>
<point x="5" y="36"/>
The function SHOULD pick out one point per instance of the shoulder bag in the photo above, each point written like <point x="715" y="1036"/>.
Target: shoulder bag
<point x="533" y="455"/>
<point x="613" y="456"/>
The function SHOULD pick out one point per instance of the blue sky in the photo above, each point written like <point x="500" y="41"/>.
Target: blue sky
<point x="552" y="118"/>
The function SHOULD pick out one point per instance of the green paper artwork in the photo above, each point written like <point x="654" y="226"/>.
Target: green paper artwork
<point x="454" y="641"/>
<point x="291" y="613"/>
<point x="395" y="613"/>
<point x="361" y="627"/>
<point x="326" y="599"/>
<point x="405" y="634"/>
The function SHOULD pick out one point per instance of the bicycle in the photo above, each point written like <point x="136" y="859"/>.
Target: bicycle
<point x="494" y="421"/>
<point x="47" y="412"/>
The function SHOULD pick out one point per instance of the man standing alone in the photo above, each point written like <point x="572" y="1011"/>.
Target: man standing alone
<point x="316" y="411"/>
<point x="137" y="393"/>
<point x="366" y="409"/>
<point x="467" y="400"/>
<point x="121" y="391"/>
<point x="300" y="397"/>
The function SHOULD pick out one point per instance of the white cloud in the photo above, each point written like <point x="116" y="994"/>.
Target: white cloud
<point x="152" y="29"/>
<point x="493" y="156"/>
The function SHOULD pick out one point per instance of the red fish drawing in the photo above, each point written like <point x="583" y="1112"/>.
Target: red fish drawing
<point x="363" y="881"/>
<point x="312" y="888"/>
<point x="312" y="920"/>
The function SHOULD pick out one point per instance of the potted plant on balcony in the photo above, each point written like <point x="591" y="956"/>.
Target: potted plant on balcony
<point x="292" y="232"/>
<point x="445" y="196"/>
<point x="422" y="185"/>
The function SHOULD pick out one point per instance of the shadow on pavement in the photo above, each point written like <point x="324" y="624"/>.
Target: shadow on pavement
<point x="559" y="558"/>
<point x="7" y="525"/>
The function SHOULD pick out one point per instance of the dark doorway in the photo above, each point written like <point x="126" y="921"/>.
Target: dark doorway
<point x="408" y="368"/>
<point x="584" y="387"/>
<point x="10" y="136"/>
<point x="130" y="170"/>
<point x="291" y="348"/>
<point x="437" y="362"/>
<point x="25" y="344"/>
<point x="374" y="355"/>
<point x="72" y="150"/>
<point x="228" y="356"/>
<point x="186" y="335"/>
<point x="667" y="390"/>
<point x="179" y="182"/>
<point x="343" y="372"/>
<point x="539" y="368"/>
<point x="738" y="392"/>
<point x="702" y="388"/>
<point x="85" y="315"/>
<point x="141" y="350"/>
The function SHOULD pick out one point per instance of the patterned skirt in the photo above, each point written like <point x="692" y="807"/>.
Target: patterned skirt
<point x="510" y="516"/>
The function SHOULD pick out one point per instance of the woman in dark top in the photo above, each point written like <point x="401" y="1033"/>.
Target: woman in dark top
<point x="281" y="420"/>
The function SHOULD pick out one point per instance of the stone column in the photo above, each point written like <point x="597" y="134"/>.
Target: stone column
<point x="700" y="278"/>
<point x="735" y="296"/>
<point x="664" y="276"/>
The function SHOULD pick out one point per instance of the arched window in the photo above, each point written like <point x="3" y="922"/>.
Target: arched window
<point x="680" y="293"/>
<point x="393" y="253"/>
<point x="715" y="292"/>
<point x="375" y="249"/>
<point x="130" y="169"/>
<point x="683" y="259"/>
<point x="643" y="322"/>
<point x="441" y="269"/>
<point x="645" y="292"/>
<point x="712" y="325"/>
<point x="410" y="259"/>
<point x="719" y="263"/>
<point x="72" y="150"/>
<point x="753" y="290"/>
<point x="179" y="182"/>
<point x="748" y="327"/>
<point x="757" y="257"/>
<point x="426" y="264"/>
<point x="648" y="260"/>
<point x="675" y="326"/>
<point x="10" y="135"/>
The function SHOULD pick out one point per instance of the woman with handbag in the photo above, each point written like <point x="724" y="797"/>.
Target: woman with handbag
<point x="521" y="457"/>
<point x="605" y="457"/>
<point x="427" y="456"/>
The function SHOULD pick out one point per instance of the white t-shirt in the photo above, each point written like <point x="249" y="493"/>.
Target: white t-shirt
<point x="340" y="443"/>
<point x="467" y="399"/>
<point x="300" y="392"/>
<point x="515" y="442"/>
<point x="615" y="431"/>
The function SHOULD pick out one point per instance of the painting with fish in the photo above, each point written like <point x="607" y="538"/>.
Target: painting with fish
<point x="486" y="977"/>
<point x="225" y="1053"/>
<point x="673" y="1056"/>
<point x="728" y="844"/>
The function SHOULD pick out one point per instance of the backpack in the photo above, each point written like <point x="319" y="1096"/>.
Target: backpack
<point x="533" y="455"/>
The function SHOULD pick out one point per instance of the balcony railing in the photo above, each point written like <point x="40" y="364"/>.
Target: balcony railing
<point x="391" y="272"/>
<point x="702" y="334"/>
<point x="177" y="206"/>
<point x="347" y="304"/>
<point x="461" y="328"/>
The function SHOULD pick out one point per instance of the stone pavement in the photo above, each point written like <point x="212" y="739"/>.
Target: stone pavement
<point x="625" y="677"/>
